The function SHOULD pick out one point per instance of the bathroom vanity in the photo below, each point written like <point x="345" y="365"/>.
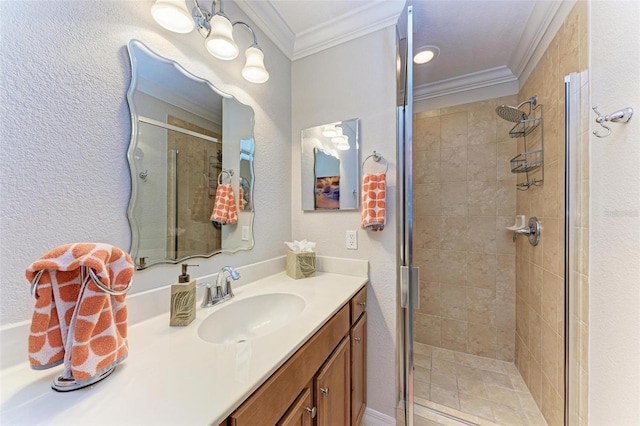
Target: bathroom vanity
<point x="325" y="378"/>
<point x="315" y="359"/>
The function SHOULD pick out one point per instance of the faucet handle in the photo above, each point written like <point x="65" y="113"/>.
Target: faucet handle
<point x="211" y="297"/>
<point x="228" y="291"/>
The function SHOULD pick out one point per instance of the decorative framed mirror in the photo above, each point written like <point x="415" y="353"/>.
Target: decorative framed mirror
<point x="187" y="139"/>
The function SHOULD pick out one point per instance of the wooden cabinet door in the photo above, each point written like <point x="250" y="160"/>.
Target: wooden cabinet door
<point x="333" y="388"/>
<point x="301" y="412"/>
<point x="358" y="370"/>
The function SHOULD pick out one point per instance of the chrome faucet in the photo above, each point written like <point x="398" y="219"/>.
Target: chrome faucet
<point x="220" y="294"/>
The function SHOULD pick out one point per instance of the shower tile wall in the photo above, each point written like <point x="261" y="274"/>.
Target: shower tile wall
<point x="464" y="198"/>
<point x="539" y="270"/>
<point x="196" y="234"/>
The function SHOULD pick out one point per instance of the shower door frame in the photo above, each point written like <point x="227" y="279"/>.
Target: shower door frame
<point x="407" y="274"/>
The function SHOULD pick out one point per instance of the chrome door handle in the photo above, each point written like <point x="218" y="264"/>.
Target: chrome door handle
<point x="311" y="411"/>
<point x="325" y="391"/>
<point x="358" y="339"/>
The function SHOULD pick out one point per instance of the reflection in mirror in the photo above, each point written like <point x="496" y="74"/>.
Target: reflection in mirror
<point x="331" y="166"/>
<point x="187" y="138"/>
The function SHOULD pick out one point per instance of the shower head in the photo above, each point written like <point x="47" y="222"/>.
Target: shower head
<point x="515" y="114"/>
<point x="510" y="113"/>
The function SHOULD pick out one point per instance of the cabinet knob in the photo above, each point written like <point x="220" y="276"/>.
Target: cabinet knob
<point x="311" y="411"/>
<point x="358" y="339"/>
<point x="325" y="391"/>
<point x="363" y="304"/>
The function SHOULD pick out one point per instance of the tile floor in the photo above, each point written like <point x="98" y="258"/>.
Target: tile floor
<point x="476" y="389"/>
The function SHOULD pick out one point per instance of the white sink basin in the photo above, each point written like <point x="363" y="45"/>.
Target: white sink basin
<point x="246" y="319"/>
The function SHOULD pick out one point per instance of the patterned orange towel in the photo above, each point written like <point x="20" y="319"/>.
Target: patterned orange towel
<point x="224" y="208"/>
<point x="374" y="193"/>
<point x="75" y="322"/>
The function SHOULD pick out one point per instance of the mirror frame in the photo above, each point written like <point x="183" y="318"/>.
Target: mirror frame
<point x="133" y="222"/>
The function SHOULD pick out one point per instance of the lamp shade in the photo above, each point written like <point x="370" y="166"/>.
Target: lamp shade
<point x="254" y="70"/>
<point x="173" y="15"/>
<point x="220" y="42"/>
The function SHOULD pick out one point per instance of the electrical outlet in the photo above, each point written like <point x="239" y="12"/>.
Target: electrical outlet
<point x="352" y="240"/>
<point x="245" y="233"/>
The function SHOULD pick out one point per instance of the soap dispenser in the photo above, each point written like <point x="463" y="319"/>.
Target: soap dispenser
<point x="183" y="299"/>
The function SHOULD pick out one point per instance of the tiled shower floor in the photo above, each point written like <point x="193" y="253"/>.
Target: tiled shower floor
<point x="479" y="390"/>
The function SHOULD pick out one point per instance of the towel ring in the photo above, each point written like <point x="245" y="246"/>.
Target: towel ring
<point x="376" y="157"/>
<point x="83" y="271"/>
<point x="228" y="172"/>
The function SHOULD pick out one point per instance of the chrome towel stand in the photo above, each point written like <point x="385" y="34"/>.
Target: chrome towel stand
<point x="69" y="384"/>
<point x="620" y="116"/>
<point x="376" y="157"/>
<point x="83" y="274"/>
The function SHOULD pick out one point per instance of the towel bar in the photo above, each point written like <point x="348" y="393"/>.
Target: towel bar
<point x="83" y="271"/>
<point x="228" y="172"/>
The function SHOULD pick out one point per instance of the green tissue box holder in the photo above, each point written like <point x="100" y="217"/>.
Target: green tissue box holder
<point x="301" y="265"/>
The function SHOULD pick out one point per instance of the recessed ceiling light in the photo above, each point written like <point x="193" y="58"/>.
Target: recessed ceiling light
<point x="426" y="54"/>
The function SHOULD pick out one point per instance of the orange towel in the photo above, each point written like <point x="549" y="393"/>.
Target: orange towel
<point x="374" y="193"/>
<point x="224" y="208"/>
<point x="75" y="322"/>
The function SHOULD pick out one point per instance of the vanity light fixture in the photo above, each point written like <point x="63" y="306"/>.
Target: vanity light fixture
<point x="426" y="54"/>
<point x="216" y="28"/>
<point x="341" y="141"/>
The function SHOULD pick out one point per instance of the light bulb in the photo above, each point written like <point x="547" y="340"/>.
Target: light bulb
<point x="173" y="15"/>
<point x="220" y="42"/>
<point x="254" y="70"/>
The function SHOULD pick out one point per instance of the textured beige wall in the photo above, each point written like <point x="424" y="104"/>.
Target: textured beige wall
<point x="465" y="197"/>
<point x="539" y="351"/>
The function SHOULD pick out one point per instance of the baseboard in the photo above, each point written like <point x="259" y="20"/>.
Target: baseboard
<point x="375" y="418"/>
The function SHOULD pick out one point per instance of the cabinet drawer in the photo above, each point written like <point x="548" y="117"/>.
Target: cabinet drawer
<point x="358" y="304"/>
<point x="302" y="412"/>
<point x="269" y="403"/>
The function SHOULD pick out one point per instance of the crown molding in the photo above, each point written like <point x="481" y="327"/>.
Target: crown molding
<point x="265" y="16"/>
<point x="542" y="25"/>
<point x="357" y="23"/>
<point x="471" y="81"/>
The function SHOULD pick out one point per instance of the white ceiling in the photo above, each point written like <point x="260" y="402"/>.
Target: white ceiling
<point x="482" y="42"/>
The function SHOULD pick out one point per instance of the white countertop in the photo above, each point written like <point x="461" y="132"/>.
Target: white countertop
<point x="171" y="375"/>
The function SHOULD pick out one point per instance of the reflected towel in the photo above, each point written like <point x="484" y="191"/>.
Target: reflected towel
<point x="75" y="322"/>
<point x="224" y="208"/>
<point x="374" y="193"/>
<point x="241" y="201"/>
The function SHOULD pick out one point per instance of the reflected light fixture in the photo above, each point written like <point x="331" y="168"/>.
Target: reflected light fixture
<point x="216" y="28"/>
<point x="329" y="131"/>
<point x="340" y="140"/>
<point x="426" y="54"/>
